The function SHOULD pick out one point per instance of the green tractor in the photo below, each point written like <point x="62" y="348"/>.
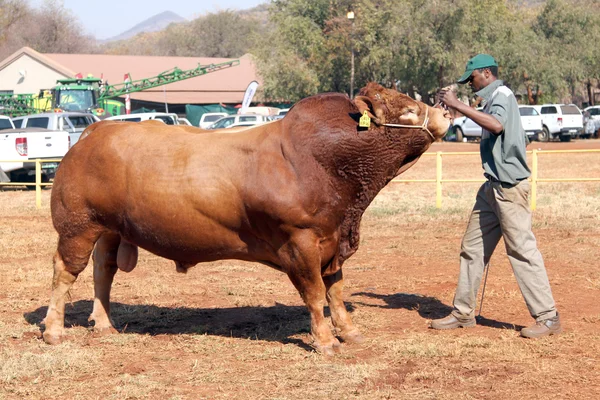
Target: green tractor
<point x="84" y="94"/>
<point x="92" y="95"/>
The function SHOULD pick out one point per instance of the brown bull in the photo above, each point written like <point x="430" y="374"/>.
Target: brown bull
<point x="289" y="194"/>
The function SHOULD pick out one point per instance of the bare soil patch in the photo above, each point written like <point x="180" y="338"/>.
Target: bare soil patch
<point x="239" y="330"/>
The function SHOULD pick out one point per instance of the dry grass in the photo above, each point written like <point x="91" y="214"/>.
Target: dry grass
<point x="239" y="330"/>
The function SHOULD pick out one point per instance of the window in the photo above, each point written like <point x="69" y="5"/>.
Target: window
<point x="40" y="122"/>
<point x="549" y="110"/>
<point x="527" y="111"/>
<point x="80" y="122"/>
<point x="570" y="110"/>
<point x="166" y="120"/>
<point x="594" y="111"/>
<point x="251" y="118"/>
<point x="212" y="118"/>
<point x="223" y="123"/>
<point x="5" y="123"/>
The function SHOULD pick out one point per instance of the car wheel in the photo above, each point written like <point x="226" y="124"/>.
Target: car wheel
<point x="544" y="135"/>
<point x="459" y="134"/>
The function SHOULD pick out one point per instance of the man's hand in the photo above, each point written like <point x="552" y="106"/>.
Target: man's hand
<point x="447" y="97"/>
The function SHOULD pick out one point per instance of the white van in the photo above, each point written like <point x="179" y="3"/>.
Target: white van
<point x="207" y="119"/>
<point x="239" y="120"/>
<point x="167" y="118"/>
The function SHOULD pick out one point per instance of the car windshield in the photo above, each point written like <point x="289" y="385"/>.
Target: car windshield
<point x="527" y="111"/>
<point x="570" y="110"/>
<point x="75" y="100"/>
<point x="222" y="123"/>
<point x="594" y="111"/>
<point x="212" y="118"/>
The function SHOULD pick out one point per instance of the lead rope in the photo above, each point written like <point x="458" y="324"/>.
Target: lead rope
<point x="423" y="126"/>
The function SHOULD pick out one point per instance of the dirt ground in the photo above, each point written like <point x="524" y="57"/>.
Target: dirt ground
<point x="235" y="330"/>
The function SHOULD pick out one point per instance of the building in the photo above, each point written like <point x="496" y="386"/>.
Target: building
<point x="28" y="71"/>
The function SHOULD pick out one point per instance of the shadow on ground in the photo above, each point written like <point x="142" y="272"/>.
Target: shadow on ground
<point x="427" y="307"/>
<point x="277" y="323"/>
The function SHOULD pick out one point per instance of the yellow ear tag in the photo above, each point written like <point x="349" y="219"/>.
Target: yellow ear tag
<point x="365" y="121"/>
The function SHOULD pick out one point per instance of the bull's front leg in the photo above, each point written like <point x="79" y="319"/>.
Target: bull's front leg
<point x="304" y="270"/>
<point x="339" y="315"/>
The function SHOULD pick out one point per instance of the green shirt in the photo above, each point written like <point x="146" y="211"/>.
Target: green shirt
<point x="504" y="155"/>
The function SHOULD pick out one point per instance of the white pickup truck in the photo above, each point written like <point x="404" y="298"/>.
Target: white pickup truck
<point x="72" y="122"/>
<point x="22" y="145"/>
<point x="562" y="121"/>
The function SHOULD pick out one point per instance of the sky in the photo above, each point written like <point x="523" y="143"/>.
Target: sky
<point x="110" y="18"/>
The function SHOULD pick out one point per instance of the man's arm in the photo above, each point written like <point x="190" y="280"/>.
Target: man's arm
<point x="482" y="119"/>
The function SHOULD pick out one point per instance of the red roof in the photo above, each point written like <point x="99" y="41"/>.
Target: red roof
<point x="224" y="86"/>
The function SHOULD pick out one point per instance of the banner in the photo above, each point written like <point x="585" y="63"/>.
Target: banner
<point x="250" y="90"/>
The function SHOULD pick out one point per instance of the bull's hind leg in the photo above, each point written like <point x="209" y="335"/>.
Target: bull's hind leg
<point x="339" y="315"/>
<point x="305" y="273"/>
<point x="71" y="258"/>
<point x="105" y="268"/>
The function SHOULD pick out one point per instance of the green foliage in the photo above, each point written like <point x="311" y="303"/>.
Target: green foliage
<point x="301" y="47"/>
<point x="420" y="46"/>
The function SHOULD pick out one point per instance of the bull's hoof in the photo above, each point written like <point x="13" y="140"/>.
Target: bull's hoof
<point x="105" y="331"/>
<point x="353" y="336"/>
<point x="329" y="350"/>
<point x="52" y="338"/>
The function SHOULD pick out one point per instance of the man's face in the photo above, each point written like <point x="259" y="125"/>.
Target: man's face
<point x="479" y="80"/>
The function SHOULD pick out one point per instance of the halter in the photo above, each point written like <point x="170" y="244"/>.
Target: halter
<point x="422" y="127"/>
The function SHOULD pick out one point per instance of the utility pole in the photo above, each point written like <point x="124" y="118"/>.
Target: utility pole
<point x="350" y="16"/>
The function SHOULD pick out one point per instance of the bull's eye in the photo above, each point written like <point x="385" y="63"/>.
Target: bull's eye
<point x="410" y="111"/>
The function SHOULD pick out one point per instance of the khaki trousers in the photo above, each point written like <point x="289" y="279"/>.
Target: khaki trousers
<point x="502" y="210"/>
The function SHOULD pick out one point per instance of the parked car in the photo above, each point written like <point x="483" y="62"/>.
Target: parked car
<point x="25" y="145"/>
<point x="72" y="122"/>
<point x="532" y="122"/>
<point x="591" y="121"/>
<point x="594" y="111"/>
<point x="562" y="121"/>
<point x="464" y="128"/>
<point x="207" y="119"/>
<point x="234" y="119"/>
<point x="281" y="114"/>
<point x="167" y="118"/>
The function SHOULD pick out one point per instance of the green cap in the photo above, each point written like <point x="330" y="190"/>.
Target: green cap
<point x="477" y="62"/>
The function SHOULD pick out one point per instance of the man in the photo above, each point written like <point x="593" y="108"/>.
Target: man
<point x="501" y="207"/>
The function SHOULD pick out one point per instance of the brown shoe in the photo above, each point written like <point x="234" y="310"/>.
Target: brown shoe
<point x="543" y="328"/>
<point x="452" y="322"/>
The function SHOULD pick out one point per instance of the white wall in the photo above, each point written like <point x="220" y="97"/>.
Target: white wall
<point x="27" y="75"/>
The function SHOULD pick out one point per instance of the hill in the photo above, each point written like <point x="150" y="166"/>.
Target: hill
<point x="153" y="24"/>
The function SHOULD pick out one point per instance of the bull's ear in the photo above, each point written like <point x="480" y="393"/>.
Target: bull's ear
<point x="372" y="107"/>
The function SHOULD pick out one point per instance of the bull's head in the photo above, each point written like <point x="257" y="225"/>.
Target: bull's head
<point x="388" y="107"/>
